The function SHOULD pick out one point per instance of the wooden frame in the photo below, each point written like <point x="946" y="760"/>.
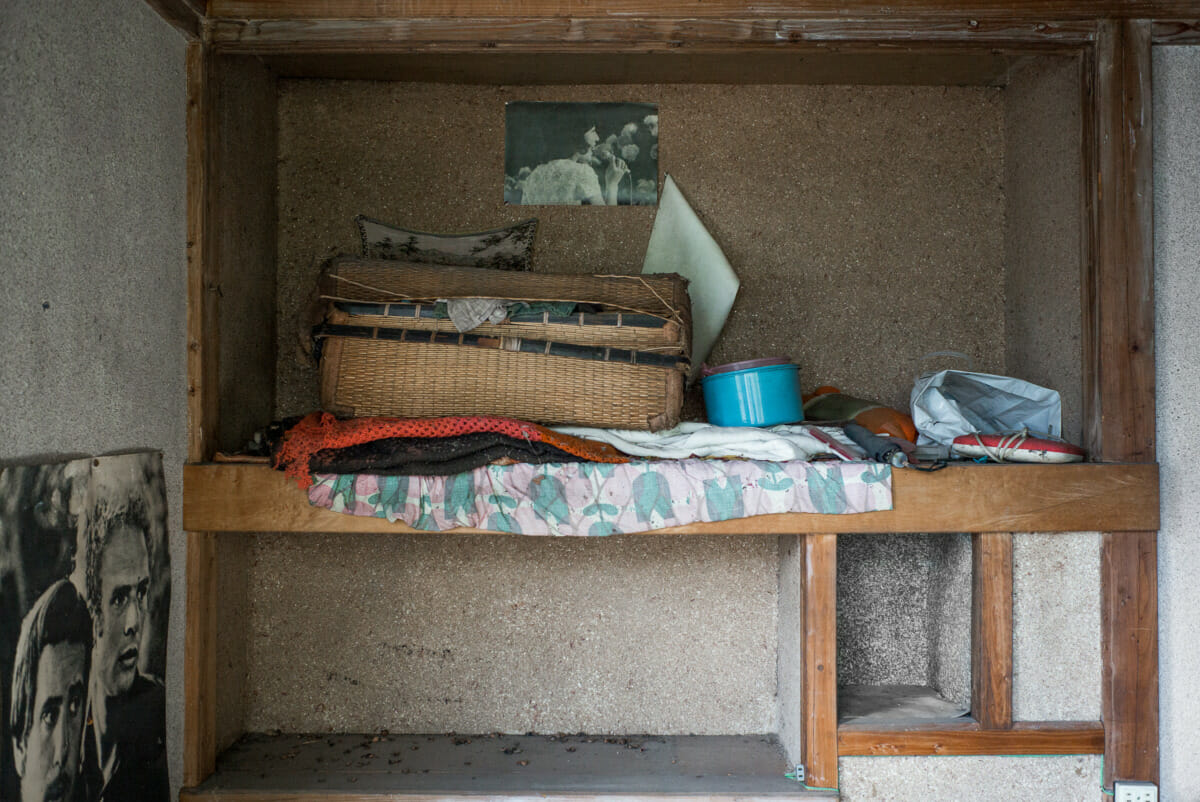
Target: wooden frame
<point x="992" y="630"/>
<point x="911" y="10"/>
<point x="1025" y="738"/>
<point x="819" y="751"/>
<point x="200" y="661"/>
<point x="1114" y="38"/>
<point x="1119" y="387"/>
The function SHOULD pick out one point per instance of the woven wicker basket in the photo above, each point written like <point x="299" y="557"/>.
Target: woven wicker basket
<point x="496" y="373"/>
<point x="646" y="313"/>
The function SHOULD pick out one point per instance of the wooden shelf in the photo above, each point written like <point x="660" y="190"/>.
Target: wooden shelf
<point x="960" y="498"/>
<point x="548" y="767"/>
<point x="969" y="738"/>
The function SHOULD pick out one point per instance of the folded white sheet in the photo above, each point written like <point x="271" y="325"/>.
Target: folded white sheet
<point x="782" y="443"/>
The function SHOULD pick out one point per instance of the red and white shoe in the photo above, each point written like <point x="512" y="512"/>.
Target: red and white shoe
<point x="1016" y="447"/>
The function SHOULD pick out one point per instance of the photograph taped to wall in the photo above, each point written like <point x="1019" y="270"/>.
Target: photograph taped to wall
<point x="598" y="154"/>
<point x="85" y="586"/>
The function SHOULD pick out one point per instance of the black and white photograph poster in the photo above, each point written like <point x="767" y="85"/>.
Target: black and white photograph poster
<point x="599" y="154"/>
<point x="85" y="587"/>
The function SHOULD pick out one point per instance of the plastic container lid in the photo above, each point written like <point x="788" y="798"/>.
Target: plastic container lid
<point x="748" y="364"/>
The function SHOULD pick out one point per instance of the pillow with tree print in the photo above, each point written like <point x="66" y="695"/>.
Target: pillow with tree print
<point x="508" y="248"/>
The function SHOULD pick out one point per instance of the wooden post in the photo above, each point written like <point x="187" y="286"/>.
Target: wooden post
<point x="1119" y="383"/>
<point x="992" y="630"/>
<point x="819" y="706"/>
<point x="200" y="656"/>
<point x="203" y="384"/>
<point x="200" y="660"/>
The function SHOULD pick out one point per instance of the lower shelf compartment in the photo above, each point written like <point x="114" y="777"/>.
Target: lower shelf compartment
<point x="428" y="767"/>
<point x="896" y="706"/>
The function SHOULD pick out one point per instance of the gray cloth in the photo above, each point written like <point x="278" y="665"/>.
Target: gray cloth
<point x="467" y="313"/>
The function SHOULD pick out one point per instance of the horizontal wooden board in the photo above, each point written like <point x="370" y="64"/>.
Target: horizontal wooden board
<point x="643" y="32"/>
<point x="960" y="498"/>
<point x="537" y="65"/>
<point x="917" y="9"/>
<point x="1025" y="738"/>
<point x="1176" y="32"/>
<point x="508" y="767"/>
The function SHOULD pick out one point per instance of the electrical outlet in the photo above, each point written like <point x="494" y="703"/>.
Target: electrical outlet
<point x="1134" y="791"/>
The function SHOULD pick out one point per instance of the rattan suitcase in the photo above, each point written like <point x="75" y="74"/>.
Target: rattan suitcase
<point x="383" y="352"/>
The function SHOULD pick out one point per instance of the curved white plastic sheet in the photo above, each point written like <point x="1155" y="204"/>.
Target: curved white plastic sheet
<point x="681" y="244"/>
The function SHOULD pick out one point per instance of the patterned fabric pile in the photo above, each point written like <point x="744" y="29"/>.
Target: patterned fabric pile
<point x="507" y="475"/>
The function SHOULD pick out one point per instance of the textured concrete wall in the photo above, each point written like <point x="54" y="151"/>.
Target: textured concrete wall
<point x="866" y="223"/>
<point x="789" y="660"/>
<point x="1041" y="236"/>
<point x="1177" y="301"/>
<point x="1056" y="627"/>
<point x="92" y="244"/>
<point x="879" y="198"/>
<point x="436" y="633"/>
<point x="1070" y="778"/>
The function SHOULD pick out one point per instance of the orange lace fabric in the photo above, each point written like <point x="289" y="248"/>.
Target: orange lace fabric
<point x="321" y="430"/>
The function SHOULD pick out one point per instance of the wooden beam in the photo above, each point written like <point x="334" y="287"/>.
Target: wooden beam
<point x="202" y="335"/>
<point x="183" y="15"/>
<point x="1176" y="32"/>
<point x="818" y="747"/>
<point x="200" y="655"/>
<point x="1024" y="738"/>
<point x="961" y="498"/>
<point x="540" y="64"/>
<point x="200" y="659"/>
<point x="1119" y="386"/>
<point x="1129" y="622"/>
<point x="642" y="33"/>
<point x="1119" y="281"/>
<point x="901" y="9"/>
<point x="992" y="630"/>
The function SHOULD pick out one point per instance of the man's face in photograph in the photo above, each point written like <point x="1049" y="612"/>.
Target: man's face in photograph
<point x="124" y="582"/>
<point x="48" y="762"/>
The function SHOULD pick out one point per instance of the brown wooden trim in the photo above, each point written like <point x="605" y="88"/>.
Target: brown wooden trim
<point x="1119" y="338"/>
<point x="818" y="708"/>
<point x="1176" y="32"/>
<point x="966" y="498"/>
<point x="1129" y="623"/>
<point x="992" y="629"/>
<point x="200" y="659"/>
<point x="202" y="308"/>
<point x="183" y="15"/>
<point x="661" y="32"/>
<point x="914" y="9"/>
<point x="808" y="64"/>
<point x="1024" y="738"/>
<point x="1119" y="387"/>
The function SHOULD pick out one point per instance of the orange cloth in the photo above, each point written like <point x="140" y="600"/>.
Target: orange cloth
<point x="321" y="430"/>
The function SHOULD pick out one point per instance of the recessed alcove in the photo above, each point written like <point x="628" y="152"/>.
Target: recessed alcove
<point x="877" y="207"/>
<point x="903" y="629"/>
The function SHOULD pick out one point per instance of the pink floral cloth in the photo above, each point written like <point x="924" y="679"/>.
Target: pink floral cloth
<point x="599" y="499"/>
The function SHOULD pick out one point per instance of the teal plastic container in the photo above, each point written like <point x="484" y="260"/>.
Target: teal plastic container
<point x="761" y="392"/>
